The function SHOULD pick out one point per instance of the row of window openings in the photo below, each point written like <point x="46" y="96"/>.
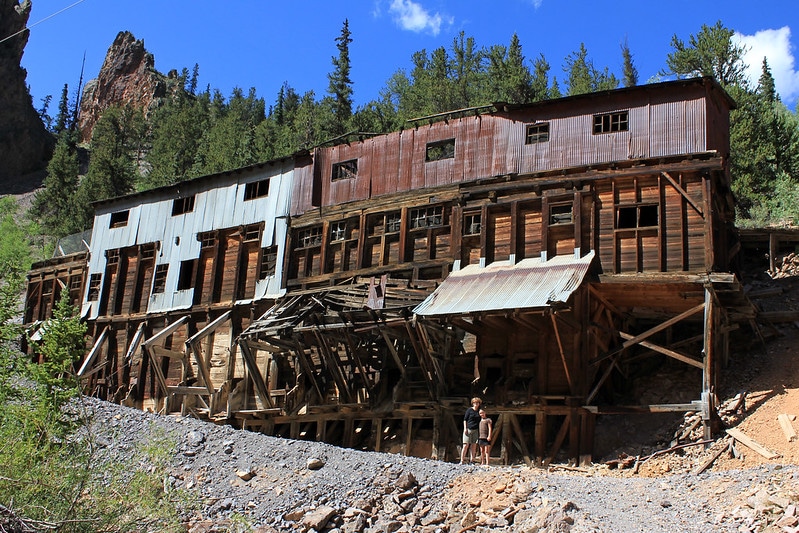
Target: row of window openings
<point x="268" y="267"/>
<point x="180" y="206"/>
<point x="628" y="217"/>
<point x="534" y="134"/>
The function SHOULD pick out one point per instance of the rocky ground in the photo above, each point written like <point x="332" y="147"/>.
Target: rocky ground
<point x="249" y="481"/>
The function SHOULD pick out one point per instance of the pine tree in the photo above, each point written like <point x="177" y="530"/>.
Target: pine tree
<point x="63" y="119"/>
<point x="579" y="72"/>
<point x="711" y="52"/>
<point x="54" y="204"/>
<point x="540" y="80"/>
<point x="340" y="87"/>
<point x="629" y="72"/>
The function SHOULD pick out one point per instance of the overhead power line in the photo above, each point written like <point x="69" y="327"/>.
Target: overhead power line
<point x="4" y="39"/>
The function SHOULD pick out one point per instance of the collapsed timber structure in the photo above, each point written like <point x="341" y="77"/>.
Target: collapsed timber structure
<point x="360" y="293"/>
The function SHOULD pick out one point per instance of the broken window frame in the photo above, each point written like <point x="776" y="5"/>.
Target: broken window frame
<point x="439" y="150"/>
<point x="561" y="214"/>
<point x="426" y="217"/>
<point x="338" y="231"/>
<point x="256" y="189"/>
<point x="472" y="224"/>
<point x="536" y="133"/>
<point x="309" y="237"/>
<point x="181" y="206"/>
<point x="268" y="264"/>
<point x="344" y="170"/>
<point x="611" y="122"/>
<point x="95" y="282"/>
<point x="393" y="222"/>
<point x="159" y="278"/>
<point x="251" y="233"/>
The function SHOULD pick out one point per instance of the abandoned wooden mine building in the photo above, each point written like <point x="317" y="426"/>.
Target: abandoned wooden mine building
<point x="540" y="256"/>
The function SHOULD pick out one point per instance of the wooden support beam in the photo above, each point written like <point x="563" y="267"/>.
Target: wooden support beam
<point x="665" y="351"/>
<point x="334" y="366"/>
<point x="562" y="353"/>
<point x="683" y="193"/>
<point x="93" y="352"/>
<point x="255" y="374"/>
<point x="166" y="331"/>
<point x="648" y="333"/>
<point x="561" y="436"/>
<point x="522" y="441"/>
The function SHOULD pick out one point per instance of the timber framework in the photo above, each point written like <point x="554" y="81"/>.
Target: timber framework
<point x="537" y="255"/>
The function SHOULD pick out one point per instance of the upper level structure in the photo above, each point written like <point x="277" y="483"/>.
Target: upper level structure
<point x="637" y="174"/>
<point x="216" y="240"/>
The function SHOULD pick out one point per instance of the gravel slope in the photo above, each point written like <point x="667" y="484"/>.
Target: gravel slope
<point x="275" y="484"/>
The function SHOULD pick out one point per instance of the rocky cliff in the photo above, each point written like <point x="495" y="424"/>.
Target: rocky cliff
<point x="127" y="77"/>
<point x="25" y="144"/>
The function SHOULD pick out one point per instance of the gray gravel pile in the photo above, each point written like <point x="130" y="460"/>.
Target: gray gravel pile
<point x="272" y="484"/>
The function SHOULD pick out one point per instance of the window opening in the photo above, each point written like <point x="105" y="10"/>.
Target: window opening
<point x="256" y="189"/>
<point x="560" y="214"/>
<point x="119" y="219"/>
<point x="182" y="205"/>
<point x="640" y="216"/>
<point x="207" y="239"/>
<point x="338" y="231"/>
<point x="537" y="133"/>
<point x="159" y="278"/>
<point x="112" y="257"/>
<point x="94" y="287"/>
<point x="75" y="282"/>
<point x="345" y="170"/>
<point x="425" y="217"/>
<point x="472" y="224"/>
<point x="252" y="233"/>
<point x="393" y="222"/>
<point x="611" y="122"/>
<point x="309" y="237"/>
<point x="268" y="262"/>
<point x="439" y="150"/>
<point x="185" y="275"/>
<point x="148" y="250"/>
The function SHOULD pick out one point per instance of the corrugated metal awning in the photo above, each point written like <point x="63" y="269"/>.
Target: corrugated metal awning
<point x="529" y="284"/>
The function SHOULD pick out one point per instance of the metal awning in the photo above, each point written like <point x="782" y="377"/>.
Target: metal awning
<point x="529" y="284"/>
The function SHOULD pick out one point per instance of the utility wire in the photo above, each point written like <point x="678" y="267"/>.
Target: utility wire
<point x="4" y="39"/>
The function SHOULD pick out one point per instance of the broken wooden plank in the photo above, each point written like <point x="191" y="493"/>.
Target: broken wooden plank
<point x="704" y="465"/>
<point x="750" y="443"/>
<point x="787" y="427"/>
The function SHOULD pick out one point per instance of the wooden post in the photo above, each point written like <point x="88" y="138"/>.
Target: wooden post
<point x="707" y="371"/>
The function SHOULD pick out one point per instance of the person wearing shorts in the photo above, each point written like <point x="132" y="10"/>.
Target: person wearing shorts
<point x="471" y="427"/>
<point x="486" y="431"/>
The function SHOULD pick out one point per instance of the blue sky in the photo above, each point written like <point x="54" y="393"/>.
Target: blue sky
<point x="262" y="43"/>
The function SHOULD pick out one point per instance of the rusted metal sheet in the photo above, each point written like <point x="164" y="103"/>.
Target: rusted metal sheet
<point x="660" y="120"/>
<point x="529" y="284"/>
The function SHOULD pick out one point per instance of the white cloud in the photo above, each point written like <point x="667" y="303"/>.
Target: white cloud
<point x="412" y="16"/>
<point x="776" y="47"/>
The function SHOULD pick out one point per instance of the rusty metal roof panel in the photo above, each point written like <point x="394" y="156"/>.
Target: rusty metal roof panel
<point x="529" y="284"/>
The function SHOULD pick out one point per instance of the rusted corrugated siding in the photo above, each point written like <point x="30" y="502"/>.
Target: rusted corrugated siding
<point x="530" y="284"/>
<point x="664" y="119"/>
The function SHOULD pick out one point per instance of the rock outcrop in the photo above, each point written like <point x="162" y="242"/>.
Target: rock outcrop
<point x="127" y="77"/>
<point x="25" y="144"/>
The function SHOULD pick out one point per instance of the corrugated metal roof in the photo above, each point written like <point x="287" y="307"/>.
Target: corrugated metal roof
<point x="529" y="284"/>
